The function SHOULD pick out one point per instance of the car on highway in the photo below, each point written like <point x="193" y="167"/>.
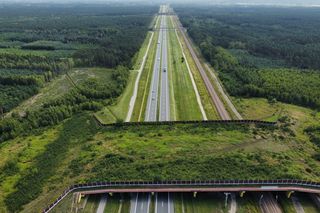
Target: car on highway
<point x="164" y="70"/>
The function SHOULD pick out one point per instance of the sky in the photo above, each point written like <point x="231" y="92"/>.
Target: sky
<point x="245" y="2"/>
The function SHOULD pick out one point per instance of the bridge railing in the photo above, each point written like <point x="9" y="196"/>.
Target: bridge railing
<point x="177" y="183"/>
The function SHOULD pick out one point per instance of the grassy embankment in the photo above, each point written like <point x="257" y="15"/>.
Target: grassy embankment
<point x="186" y="105"/>
<point x="145" y="81"/>
<point x="119" y="110"/>
<point x="207" y="103"/>
<point x="62" y="85"/>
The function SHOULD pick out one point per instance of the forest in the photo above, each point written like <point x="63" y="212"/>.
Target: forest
<point x="42" y="42"/>
<point x="40" y="46"/>
<point x="260" y="51"/>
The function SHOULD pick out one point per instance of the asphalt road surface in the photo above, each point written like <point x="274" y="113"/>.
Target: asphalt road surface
<point x="297" y="205"/>
<point x="160" y="72"/>
<point x="140" y="203"/>
<point x="269" y="204"/>
<point x="164" y="203"/>
<point x="152" y="104"/>
<point x="102" y="203"/>
<point x="164" y="92"/>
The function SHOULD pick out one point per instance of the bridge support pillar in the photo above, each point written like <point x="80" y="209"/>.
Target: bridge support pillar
<point x="194" y="194"/>
<point x="226" y="200"/>
<point x="289" y="194"/>
<point x="152" y="193"/>
<point x="79" y="196"/>
<point x="242" y="193"/>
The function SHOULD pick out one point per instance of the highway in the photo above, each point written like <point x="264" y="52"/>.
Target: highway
<point x="160" y="73"/>
<point x="297" y="205"/>
<point x="164" y="114"/>
<point x="140" y="203"/>
<point x="164" y="203"/>
<point x="152" y="104"/>
<point x="268" y="204"/>
<point x="102" y="203"/>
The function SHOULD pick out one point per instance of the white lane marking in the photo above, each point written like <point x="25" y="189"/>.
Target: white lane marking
<point x="169" y="203"/>
<point x="136" y="85"/>
<point x="297" y="205"/>
<point x="136" y="204"/>
<point x="102" y="204"/>
<point x="233" y="207"/>
<point x="148" y="207"/>
<point x="156" y="206"/>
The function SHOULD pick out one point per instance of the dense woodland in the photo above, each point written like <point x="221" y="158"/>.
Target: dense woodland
<point x="42" y="42"/>
<point x="260" y="51"/>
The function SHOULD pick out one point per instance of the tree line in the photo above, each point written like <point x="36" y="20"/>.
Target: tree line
<point x="89" y="95"/>
<point x="258" y="55"/>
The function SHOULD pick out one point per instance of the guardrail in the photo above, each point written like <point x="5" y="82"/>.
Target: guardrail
<point x="156" y="123"/>
<point x="211" y="183"/>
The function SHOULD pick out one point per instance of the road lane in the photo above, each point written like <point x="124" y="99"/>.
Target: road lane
<point x="102" y="203"/>
<point x="140" y="203"/>
<point x="297" y="205"/>
<point x="164" y="114"/>
<point x="152" y="104"/>
<point x="269" y="204"/>
<point x="164" y="203"/>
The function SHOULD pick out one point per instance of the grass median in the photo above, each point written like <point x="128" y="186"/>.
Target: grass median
<point x="206" y="100"/>
<point x="186" y="105"/>
<point x="145" y="82"/>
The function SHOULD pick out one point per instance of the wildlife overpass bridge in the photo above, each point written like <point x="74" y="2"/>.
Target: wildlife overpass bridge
<point x="241" y="186"/>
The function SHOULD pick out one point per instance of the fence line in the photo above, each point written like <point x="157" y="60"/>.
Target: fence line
<point x="163" y="123"/>
<point x="212" y="183"/>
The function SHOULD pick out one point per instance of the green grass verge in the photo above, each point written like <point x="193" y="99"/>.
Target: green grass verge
<point x="286" y="203"/>
<point x="203" y="203"/>
<point x="92" y="204"/>
<point x="145" y="82"/>
<point x="118" y="110"/>
<point x="207" y="103"/>
<point x="113" y="204"/>
<point x="307" y="203"/>
<point x="248" y="203"/>
<point x="186" y="106"/>
<point x="138" y="58"/>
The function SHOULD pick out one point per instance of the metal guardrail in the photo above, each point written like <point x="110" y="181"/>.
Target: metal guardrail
<point x="156" y="123"/>
<point x="212" y="183"/>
